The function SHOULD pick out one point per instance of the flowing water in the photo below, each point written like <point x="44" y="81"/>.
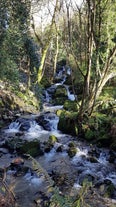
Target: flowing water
<point x="90" y="162"/>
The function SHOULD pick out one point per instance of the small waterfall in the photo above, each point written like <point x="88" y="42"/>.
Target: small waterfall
<point x="112" y="177"/>
<point x="48" y="107"/>
<point x="70" y="95"/>
<point x="103" y="158"/>
<point x="52" y="119"/>
<point x="81" y="153"/>
<point x="34" y="127"/>
<point x="13" y="127"/>
<point x="68" y="71"/>
<point x="50" y="155"/>
<point x="34" y="130"/>
<point x="47" y="97"/>
<point x="61" y="75"/>
<point x="33" y="179"/>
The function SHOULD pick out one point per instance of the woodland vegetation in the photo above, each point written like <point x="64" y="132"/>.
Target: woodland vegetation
<point x="37" y="38"/>
<point x="79" y="36"/>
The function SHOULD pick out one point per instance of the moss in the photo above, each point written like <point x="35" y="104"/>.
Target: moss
<point x="22" y="95"/>
<point x="52" y="139"/>
<point x="71" y="144"/>
<point x="59" y="112"/>
<point x="70" y="105"/>
<point x="32" y="148"/>
<point x="97" y="128"/>
<point x="50" y="143"/>
<point x="90" y="135"/>
<point x="59" y="100"/>
<point x="72" y="151"/>
<point x="60" y="92"/>
<point x="68" y="123"/>
<point x="110" y="190"/>
<point x="19" y="98"/>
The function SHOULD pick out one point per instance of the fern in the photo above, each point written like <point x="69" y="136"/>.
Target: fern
<point x="80" y="201"/>
<point x="39" y="170"/>
<point x="56" y="200"/>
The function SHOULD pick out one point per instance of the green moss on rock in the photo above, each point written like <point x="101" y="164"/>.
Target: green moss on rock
<point x="60" y="92"/>
<point x="52" y="139"/>
<point x="70" y="105"/>
<point x="98" y="128"/>
<point x="72" y="151"/>
<point x="33" y="148"/>
<point x="68" y="123"/>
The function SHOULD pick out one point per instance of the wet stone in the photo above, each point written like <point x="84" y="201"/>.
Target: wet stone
<point x="17" y="161"/>
<point x="4" y="150"/>
<point x="92" y="159"/>
<point x="59" y="149"/>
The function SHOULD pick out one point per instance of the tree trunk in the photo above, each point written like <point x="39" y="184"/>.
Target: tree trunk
<point x="42" y="62"/>
<point x="56" y="54"/>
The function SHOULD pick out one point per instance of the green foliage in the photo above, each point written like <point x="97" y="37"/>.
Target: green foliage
<point x="60" y="201"/>
<point x="98" y="129"/>
<point x="90" y="135"/>
<point x="71" y="106"/>
<point x="8" y="67"/>
<point x="13" y="30"/>
<point x="107" y="103"/>
<point x="80" y="201"/>
<point x="31" y="50"/>
<point x="45" y="82"/>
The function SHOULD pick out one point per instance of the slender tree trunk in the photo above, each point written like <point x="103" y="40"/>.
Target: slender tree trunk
<point x="42" y="62"/>
<point x="29" y="75"/>
<point x="56" y="54"/>
<point x="90" y="46"/>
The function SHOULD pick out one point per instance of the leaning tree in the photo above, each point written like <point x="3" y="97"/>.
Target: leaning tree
<point x="92" y="44"/>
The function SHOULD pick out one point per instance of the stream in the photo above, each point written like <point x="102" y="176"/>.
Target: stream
<point x="30" y="184"/>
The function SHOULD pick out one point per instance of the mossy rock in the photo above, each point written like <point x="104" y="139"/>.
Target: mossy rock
<point x="90" y="135"/>
<point x="60" y="92"/>
<point x="72" y="151"/>
<point x="68" y="123"/>
<point x="70" y="105"/>
<point x="33" y="148"/>
<point x="58" y="112"/>
<point x="71" y="144"/>
<point x="101" y="137"/>
<point x="16" y="99"/>
<point x="59" y="100"/>
<point x="52" y="139"/>
<point x="50" y="143"/>
<point x="97" y="128"/>
<point x="14" y="143"/>
<point x="110" y="190"/>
